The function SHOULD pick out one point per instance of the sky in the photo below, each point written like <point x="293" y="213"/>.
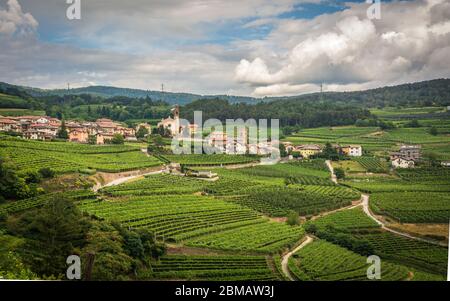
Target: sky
<point x="237" y="47"/>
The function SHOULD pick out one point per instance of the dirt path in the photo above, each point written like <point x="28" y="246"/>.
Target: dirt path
<point x="366" y="208"/>
<point x="284" y="261"/>
<point x="330" y="167"/>
<point x="123" y="179"/>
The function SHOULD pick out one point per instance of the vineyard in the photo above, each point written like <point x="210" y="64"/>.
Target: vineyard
<point x="191" y="218"/>
<point x="346" y="220"/>
<point x="279" y="201"/>
<point x="372" y="164"/>
<point x="71" y="157"/>
<point x="22" y="205"/>
<point x="421" y="255"/>
<point x="210" y="160"/>
<point x="210" y="268"/>
<point x="268" y="237"/>
<point x="323" y="261"/>
<point x="413" y="207"/>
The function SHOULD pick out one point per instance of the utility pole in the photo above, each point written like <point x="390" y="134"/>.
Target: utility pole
<point x="162" y="88"/>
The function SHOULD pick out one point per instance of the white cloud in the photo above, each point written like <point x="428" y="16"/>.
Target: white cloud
<point x="345" y="50"/>
<point x="14" y="21"/>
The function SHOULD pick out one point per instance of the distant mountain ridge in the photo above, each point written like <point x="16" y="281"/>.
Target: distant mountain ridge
<point x="432" y="92"/>
<point x="107" y="91"/>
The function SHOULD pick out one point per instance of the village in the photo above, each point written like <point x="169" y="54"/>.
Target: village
<point x="46" y="128"/>
<point x="103" y="130"/>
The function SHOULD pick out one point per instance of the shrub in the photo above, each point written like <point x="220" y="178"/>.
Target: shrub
<point x="340" y="173"/>
<point x="293" y="218"/>
<point x="47" y="173"/>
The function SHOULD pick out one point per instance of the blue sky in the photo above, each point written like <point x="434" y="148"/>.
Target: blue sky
<point x="243" y="47"/>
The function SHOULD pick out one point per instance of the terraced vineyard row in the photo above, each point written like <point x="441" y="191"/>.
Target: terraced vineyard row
<point x="323" y="261"/>
<point x="407" y="251"/>
<point x="372" y="164"/>
<point x="64" y="158"/>
<point x="18" y="206"/>
<point x="64" y="147"/>
<point x="157" y="185"/>
<point x="278" y="201"/>
<point x="211" y="268"/>
<point x="185" y="218"/>
<point x="346" y="220"/>
<point x="210" y="160"/>
<point x="439" y="175"/>
<point x="267" y="237"/>
<point x="286" y="170"/>
<point x="413" y="207"/>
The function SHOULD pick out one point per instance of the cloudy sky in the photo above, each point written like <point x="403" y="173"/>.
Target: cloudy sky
<point x="241" y="47"/>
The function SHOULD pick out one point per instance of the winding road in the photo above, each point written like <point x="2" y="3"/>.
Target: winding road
<point x="368" y="212"/>
<point x="285" y="260"/>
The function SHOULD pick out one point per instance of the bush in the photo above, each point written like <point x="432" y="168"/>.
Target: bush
<point x="88" y="171"/>
<point x="117" y="139"/>
<point x="293" y="218"/>
<point x="340" y="173"/>
<point x="311" y="228"/>
<point x="47" y="173"/>
<point x="33" y="177"/>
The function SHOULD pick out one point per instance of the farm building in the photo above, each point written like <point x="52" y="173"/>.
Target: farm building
<point x="400" y="162"/>
<point x="445" y="163"/>
<point x="352" y="150"/>
<point x="308" y="150"/>
<point x="79" y="135"/>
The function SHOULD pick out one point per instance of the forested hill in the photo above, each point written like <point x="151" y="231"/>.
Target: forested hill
<point x="108" y="92"/>
<point x="289" y="112"/>
<point x="426" y="93"/>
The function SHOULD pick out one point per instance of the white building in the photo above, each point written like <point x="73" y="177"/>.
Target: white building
<point x="352" y="150"/>
<point x="402" y="163"/>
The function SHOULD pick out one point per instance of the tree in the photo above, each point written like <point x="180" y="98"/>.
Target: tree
<point x="142" y="132"/>
<point x="117" y="139"/>
<point x="293" y="218"/>
<point x="433" y="131"/>
<point x="111" y="260"/>
<point x="47" y="173"/>
<point x="413" y="124"/>
<point x="155" y="144"/>
<point x="13" y="186"/>
<point x="283" y="152"/>
<point x="92" y="139"/>
<point x="52" y="233"/>
<point x="62" y="133"/>
<point x="340" y="173"/>
<point x="311" y="228"/>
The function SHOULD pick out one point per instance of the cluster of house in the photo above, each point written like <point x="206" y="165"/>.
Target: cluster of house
<point x="308" y="150"/>
<point x="220" y="140"/>
<point x="31" y="127"/>
<point x="102" y="129"/>
<point x="406" y="157"/>
<point x="46" y="128"/>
